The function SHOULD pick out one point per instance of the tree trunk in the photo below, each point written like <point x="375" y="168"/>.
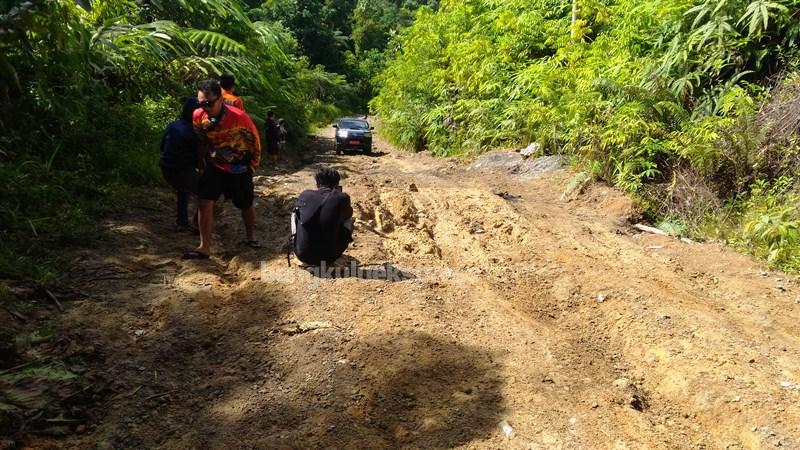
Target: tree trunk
<point x="574" y="19"/>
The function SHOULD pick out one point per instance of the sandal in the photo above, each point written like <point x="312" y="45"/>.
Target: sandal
<point x="251" y="243"/>
<point x="194" y="254"/>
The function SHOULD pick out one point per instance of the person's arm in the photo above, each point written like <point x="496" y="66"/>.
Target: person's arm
<point x="347" y="214"/>
<point x="347" y="208"/>
<point x="201" y="149"/>
<point x="255" y="159"/>
<point x="202" y="141"/>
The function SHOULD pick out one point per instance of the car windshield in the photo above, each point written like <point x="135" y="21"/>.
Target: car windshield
<point x="354" y="124"/>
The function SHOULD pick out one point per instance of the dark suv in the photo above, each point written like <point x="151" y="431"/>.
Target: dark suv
<point x="353" y="133"/>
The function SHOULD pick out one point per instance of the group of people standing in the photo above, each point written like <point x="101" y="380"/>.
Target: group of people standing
<point x="214" y="149"/>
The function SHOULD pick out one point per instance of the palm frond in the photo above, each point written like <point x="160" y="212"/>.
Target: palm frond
<point x="214" y="44"/>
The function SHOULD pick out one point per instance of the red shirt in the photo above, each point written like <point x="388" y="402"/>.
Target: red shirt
<point x="234" y="143"/>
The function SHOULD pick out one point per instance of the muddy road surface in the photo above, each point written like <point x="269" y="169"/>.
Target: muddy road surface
<point x="514" y="316"/>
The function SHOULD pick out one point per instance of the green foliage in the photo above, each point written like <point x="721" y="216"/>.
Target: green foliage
<point x="671" y="226"/>
<point x="24" y="341"/>
<point x="6" y="296"/>
<point x="87" y="91"/>
<point x="641" y="92"/>
<point x="49" y="372"/>
<point x="320" y="26"/>
<point x="638" y="70"/>
<point x="772" y="223"/>
<point x="346" y="37"/>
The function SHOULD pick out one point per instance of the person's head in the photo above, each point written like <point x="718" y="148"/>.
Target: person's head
<point x="327" y="177"/>
<point x="281" y="121"/>
<point x="189" y="105"/>
<point x="227" y="82"/>
<point x="209" y="94"/>
<point x="270" y="115"/>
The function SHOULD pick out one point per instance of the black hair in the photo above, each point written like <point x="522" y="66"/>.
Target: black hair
<point x="327" y="177"/>
<point x="210" y="86"/>
<point x="189" y="105"/>
<point x="227" y="81"/>
<point x="270" y="113"/>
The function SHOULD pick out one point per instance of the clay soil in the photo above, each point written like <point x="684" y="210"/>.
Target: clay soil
<point x="521" y="319"/>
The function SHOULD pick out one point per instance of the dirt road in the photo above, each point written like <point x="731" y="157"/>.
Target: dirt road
<point x="521" y="320"/>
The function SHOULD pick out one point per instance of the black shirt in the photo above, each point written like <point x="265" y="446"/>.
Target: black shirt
<point x="321" y="234"/>
<point x="272" y="134"/>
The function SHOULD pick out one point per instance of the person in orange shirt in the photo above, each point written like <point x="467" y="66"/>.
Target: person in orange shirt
<point x="232" y="148"/>
<point x="228" y="84"/>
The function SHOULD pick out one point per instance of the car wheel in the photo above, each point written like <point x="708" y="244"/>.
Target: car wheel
<point x="368" y="150"/>
<point x="338" y="150"/>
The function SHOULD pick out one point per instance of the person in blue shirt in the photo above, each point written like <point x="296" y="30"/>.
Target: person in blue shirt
<point x="180" y="160"/>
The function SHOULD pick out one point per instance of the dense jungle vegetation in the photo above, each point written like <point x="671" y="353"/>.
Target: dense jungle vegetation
<point x="88" y="87"/>
<point x="691" y="106"/>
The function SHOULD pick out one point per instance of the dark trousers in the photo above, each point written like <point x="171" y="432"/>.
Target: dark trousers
<point x="313" y="249"/>
<point x="186" y="182"/>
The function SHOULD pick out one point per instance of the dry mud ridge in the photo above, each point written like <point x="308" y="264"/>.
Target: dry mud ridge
<point x="523" y="319"/>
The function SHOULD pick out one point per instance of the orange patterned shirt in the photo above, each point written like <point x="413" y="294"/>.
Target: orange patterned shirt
<point x="234" y="143"/>
<point x="229" y="99"/>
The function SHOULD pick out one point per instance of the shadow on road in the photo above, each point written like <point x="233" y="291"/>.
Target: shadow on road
<point x="406" y="389"/>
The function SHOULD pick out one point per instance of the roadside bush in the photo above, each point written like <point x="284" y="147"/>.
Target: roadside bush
<point x="772" y="223"/>
<point x="673" y="101"/>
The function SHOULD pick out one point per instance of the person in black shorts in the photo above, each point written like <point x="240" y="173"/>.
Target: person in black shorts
<point x="236" y="187"/>
<point x="232" y="149"/>
<point x="323" y="227"/>
<point x="179" y="161"/>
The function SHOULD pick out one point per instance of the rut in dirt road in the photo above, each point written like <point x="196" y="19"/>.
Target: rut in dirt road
<point x="526" y="321"/>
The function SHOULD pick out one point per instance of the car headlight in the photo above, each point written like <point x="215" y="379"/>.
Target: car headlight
<point x="341" y="133"/>
<point x="367" y="134"/>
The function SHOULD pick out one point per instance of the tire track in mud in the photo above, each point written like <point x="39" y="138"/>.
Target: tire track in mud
<point x="546" y="314"/>
<point x="507" y="292"/>
<point x="589" y="338"/>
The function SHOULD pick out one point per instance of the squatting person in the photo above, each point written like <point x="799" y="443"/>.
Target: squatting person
<point x="322" y="220"/>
